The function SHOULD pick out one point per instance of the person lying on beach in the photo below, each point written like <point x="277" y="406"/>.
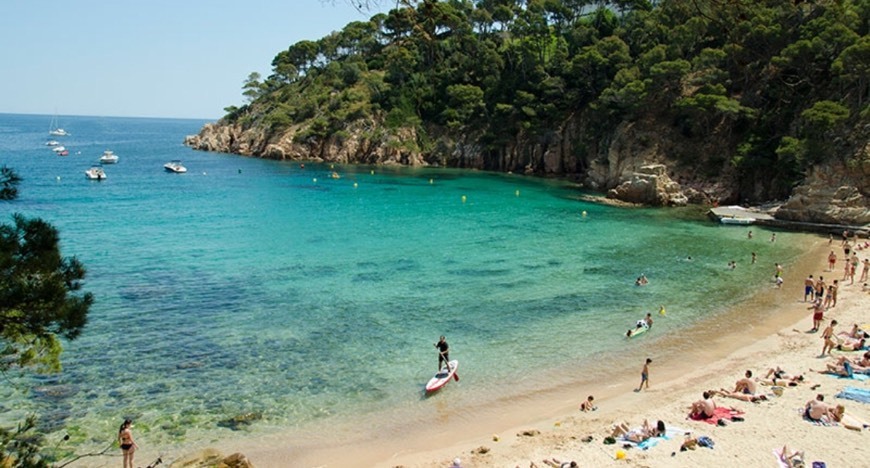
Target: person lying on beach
<point x="588" y="405"/>
<point x="640" y="434"/>
<point x="842" y="367"/>
<point x="704" y="408"/>
<point x="784" y="380"/>
<point x="791" y="460"/>
<point x="848" y="421"/>
<point x="558" y="464"/>
<point x="741" y="396"/>
<point x="746" y="385"/>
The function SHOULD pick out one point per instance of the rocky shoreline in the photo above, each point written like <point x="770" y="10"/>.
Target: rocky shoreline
<point x="631" y="167"/>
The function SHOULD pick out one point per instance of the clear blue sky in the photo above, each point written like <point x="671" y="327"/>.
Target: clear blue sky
<point x="148" y="58"/>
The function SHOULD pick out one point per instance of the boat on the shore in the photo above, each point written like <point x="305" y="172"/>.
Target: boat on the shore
<point x="108" y="157"/>
<point x="175" y="166"/>
<point x="741" y="220"/>
<point x="95" y="173"/>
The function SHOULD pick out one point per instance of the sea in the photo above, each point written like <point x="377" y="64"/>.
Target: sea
<point x="249" y="296"/>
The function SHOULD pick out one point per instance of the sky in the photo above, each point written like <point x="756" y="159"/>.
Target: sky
<point x="148" y="58"/>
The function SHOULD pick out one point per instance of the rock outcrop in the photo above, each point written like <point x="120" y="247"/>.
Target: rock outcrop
<point x="212" y="458"/>
<point x="831" y="195"/>
<point x="650" y="185"/>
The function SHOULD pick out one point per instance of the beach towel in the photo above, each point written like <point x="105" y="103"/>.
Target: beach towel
<point x="803" y="413"/>
<point x="856" y="394"/>
<point x="782" y="462"/>
<point x="653" y="441"/>
<point x="720" y="413"/>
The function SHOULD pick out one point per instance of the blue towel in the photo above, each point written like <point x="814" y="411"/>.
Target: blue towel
<point x="857" y="394"/>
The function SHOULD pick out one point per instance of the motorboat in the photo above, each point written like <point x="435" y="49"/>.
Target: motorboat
<point x="95" y="173"/>
<point x="52" y="143"/>
<point x="108" y="157"/>
<point x="175" y="166"/>
<point x="58" y="149"/>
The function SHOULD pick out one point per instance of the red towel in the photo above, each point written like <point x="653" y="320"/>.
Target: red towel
<point x="720" y="412"/>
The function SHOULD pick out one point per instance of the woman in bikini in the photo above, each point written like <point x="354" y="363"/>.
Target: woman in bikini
<point x="128" y="445"/>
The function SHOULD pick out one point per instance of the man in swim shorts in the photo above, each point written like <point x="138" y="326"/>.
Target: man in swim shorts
<point x="746" y="384"/>
<point x="809" y="287"/>
<point x="644" y="375"/>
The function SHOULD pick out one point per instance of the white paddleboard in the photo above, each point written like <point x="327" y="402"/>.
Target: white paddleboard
<point x="443" y="376"/>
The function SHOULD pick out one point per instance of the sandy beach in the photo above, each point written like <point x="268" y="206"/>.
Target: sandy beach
<point x="780" y="337"/>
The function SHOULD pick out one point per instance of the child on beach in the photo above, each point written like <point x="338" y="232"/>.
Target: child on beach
<point x="588" y="405"/>
<point x="644" y="375"/>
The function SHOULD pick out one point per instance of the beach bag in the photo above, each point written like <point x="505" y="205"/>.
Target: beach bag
<point x="818" y="464"/>
<point x="705" y="441"/>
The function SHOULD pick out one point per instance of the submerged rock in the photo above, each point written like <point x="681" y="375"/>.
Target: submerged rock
<point x="241" y="420"/>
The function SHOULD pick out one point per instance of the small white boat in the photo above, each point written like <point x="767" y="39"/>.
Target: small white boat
<point x="737" y="220"/>
<point x="175" y="166"/>
<point x="108" y="157"/>
<point x="58" y="149"/>
<point x="95" y="173"/>
<point x="52" y="143"/>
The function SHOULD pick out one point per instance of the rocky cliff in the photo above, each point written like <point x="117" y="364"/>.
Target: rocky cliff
<point x="641" y="162"/>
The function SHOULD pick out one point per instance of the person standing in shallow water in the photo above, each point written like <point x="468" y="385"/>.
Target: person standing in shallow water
<point x="443" y="352"/>
<point x="128" y="445"/>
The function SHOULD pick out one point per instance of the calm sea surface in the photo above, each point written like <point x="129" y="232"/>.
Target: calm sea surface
<point x="262" y="290"/>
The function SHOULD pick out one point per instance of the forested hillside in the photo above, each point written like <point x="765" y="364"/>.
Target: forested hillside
<point x="740" y="99"/>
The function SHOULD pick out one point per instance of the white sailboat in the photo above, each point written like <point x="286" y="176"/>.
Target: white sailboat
<point x="54" y="130"/>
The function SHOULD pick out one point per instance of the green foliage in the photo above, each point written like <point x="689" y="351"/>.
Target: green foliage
<point x="40" y="300"/>
<point x="746" y="74"/>
<point x="9" y="181"/>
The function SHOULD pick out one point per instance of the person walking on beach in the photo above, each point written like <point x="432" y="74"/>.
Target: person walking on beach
<point x="443" y="352"/>
<point x="128" y="445"/>
<point x="644" y="375"/>
<point x="831" y="298"/>
<point x="828" y="337"/>
<point x="818" y="314"/>
<point x="865" y="271"/>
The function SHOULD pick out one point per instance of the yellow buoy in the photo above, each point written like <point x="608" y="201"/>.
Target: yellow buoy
<point x="355" y="185"/>
<point x="620" y="454"/>
<point x="464" y="198"/>
<point x="315" y="180"/>
<point x="584" y="213"/>
<point x="373" y="172"/>
<point x="430" y="181"/>
<point x="517" y="193"/>
<point x="332" y="166"/>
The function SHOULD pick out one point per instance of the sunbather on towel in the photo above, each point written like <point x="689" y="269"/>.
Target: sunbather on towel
<point x="843" y="367"/>
<point x="705" y="408"/>
<point x="848" y="421"/>
<point x="791" y="460"/>
<point x="817" y="410"/>
<point x="777" y="376"/>
<point x="641" y="434"/>
<point x="741" y="396"/>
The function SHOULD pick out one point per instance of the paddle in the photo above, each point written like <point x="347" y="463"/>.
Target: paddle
<point x="455" y="374"/>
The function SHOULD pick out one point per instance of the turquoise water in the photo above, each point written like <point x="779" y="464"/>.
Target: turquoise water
<point x="258" y="287"/>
